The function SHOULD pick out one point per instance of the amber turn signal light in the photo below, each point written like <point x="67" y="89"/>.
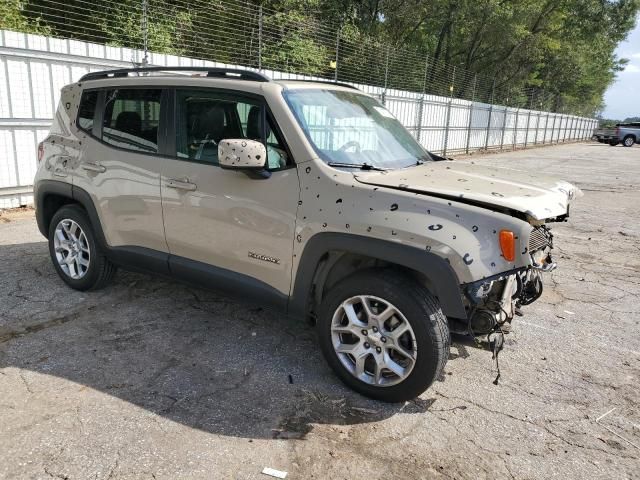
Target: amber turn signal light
<point x="508" y="245"/>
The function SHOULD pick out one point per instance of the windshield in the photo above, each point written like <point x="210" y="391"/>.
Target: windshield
<point x="347" y="127"/>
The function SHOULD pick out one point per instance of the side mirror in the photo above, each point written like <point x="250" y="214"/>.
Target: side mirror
<point x="242" y="154"/>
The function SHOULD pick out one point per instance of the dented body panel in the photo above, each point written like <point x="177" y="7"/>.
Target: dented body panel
<point x="464" y="235"/>
<point x="539" y="197"/>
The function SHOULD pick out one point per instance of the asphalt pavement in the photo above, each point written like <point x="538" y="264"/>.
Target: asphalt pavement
<point x="150" y="378"/>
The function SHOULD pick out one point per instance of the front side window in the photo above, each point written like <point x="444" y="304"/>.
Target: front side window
<point x="348" y="127"/>
<point x="205" y="118"/>
<point x="87" y="110"/>
<point x="132" y="118"/>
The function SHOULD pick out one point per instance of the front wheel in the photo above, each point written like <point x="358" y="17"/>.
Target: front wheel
<point x="383" y="334"/>
<point x="628" y="141"/>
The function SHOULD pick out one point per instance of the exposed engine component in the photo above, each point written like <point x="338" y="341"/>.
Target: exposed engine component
<point x="493" y="304"/>
<point x="530" y="286"/>
<point x="483" y="321"/>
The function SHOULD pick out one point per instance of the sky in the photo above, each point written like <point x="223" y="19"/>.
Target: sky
<point x="622" y="99"/>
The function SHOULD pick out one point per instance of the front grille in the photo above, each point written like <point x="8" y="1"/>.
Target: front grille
<point x="539" y="239"/>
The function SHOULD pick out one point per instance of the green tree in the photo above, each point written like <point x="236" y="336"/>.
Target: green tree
<point x="12" y="17"/>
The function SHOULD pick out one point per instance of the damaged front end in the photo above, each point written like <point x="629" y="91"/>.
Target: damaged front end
<point x="494" y="301"/>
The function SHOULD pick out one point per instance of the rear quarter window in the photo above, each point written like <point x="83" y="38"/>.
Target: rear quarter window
<point x="87" y="110"/>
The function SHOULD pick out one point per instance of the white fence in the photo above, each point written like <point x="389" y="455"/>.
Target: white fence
<point x="33" y="69"/>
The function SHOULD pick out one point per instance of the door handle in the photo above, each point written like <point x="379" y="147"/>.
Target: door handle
<point x="94" y="167"/>
<point x="181" y="185"/>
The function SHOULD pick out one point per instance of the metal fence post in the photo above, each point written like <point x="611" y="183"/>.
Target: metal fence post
<point x="571" y="129"/>
<point x="504" y="126"/>
<point x="553" y="128"/>
<point x="526" y="134"/>
<point x="473" y="98"/>
<point x="422" y="99"/>
<point x="579" y="128"/>
<point x="446" y="128"/>
<point x="546" y="124"/>
<point x="260" y="23"/>
<point x="386" y="79"/>
<point x="335" y="74"/>
<point x="515" y="128"/>
<point x="559" y="128"/>
<point x="145" y="32"/>
<point x="486" y="140"/>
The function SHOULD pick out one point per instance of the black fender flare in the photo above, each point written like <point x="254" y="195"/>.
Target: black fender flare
<point x="435" y="268"/>
<point x="63" y="189"/>
<point x="40" y="191"/>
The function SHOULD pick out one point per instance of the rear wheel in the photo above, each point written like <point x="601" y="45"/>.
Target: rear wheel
<point x="384" y="335"/>
<point x="75" y="254"/>
<point x="628" y="141"/>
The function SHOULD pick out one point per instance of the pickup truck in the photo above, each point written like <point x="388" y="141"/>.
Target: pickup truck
<point x="626" y="133"/>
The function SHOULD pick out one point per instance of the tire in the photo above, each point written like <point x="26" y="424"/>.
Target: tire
<point x="71" y="236"/>
<point x="628" y="141"/>
<point x="613" y="143"/>
<point x="413" y="304"/>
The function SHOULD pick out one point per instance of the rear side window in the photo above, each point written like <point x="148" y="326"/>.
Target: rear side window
<point x="131" y="119"/>
<point x="87" y="110"/>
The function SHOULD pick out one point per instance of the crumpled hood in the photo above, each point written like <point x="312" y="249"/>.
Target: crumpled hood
<point x="538" y="196"/>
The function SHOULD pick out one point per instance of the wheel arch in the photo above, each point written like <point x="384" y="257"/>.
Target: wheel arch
<point x="51" y="195"/>
<point x="327" y="257"/>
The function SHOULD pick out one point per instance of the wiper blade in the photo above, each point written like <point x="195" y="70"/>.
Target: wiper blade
<point x="361" y="166"/>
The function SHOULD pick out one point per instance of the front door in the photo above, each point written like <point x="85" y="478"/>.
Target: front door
<point x="223" y="226"/>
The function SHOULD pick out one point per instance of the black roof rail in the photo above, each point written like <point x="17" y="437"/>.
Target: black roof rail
<point x="211" y="72"/>
<point x="328" y="82"/>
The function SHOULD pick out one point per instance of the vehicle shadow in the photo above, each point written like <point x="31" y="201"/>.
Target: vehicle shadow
<point x="189" y="355"/>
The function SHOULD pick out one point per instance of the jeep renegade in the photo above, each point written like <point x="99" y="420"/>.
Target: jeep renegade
<point x="309" y="197"/>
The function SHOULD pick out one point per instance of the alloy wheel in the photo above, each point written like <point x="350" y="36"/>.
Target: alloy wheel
<point x="71" y="249"/>
<point x="373" y="340"/>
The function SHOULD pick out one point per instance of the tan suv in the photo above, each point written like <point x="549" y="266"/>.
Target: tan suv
<point x="309" y="197"/>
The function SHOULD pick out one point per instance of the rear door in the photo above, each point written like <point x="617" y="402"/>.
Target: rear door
<point x="120" y="165"/>
<point x="223" y="226"/>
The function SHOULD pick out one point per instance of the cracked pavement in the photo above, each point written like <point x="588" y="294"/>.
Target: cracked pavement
<point x="150" y="378"/>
